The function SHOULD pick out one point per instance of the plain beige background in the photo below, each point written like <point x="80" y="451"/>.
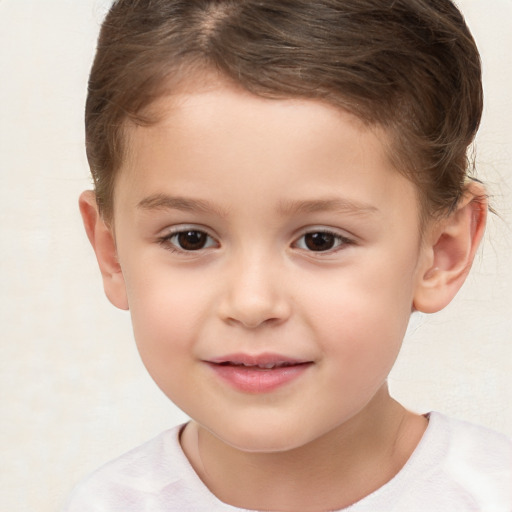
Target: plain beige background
<point x="73" y="391"/>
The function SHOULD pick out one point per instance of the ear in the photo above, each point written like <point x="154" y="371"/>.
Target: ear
<point x="102" y="240"/>
<point x="449" y="251"/>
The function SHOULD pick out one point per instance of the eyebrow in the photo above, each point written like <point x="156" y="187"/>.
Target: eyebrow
<point x="166" y="202"/>
<point x="334" y="204"/>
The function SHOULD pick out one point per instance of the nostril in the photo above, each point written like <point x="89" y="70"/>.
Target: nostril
<point x="256" y="319"/>
<point x="253" y="298"/>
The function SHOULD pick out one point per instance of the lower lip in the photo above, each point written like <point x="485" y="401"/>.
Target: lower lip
<point x="255" y="380"/>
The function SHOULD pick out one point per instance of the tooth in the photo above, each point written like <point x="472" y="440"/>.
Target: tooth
<point x="268" y="366"/>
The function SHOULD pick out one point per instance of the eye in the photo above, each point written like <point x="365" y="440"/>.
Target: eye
<point x="322" y="241"/>
<point x="188" y="240"/>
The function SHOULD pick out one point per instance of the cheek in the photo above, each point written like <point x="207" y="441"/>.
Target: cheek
<point x="362" y="317"/>
<point x="365" y="339"/>
<point x="166" y="315"/>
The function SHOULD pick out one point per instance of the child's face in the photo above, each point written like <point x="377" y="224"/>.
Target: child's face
<point x="266" y="231"/>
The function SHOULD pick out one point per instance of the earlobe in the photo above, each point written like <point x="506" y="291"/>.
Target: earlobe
<point x="450" y="250"/>
<point x="102" y="240"/>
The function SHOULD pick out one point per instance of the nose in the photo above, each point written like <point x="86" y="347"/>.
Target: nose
<point x="255" y="294"/>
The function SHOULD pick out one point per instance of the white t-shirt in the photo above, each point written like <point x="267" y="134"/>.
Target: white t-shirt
<point x="456" y="467"/>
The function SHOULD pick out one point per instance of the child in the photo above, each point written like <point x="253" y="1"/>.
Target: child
<point x="278" y="185"/>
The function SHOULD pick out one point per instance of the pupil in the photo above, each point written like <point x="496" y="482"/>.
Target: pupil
<point x="192" y="240"/>
<point x="319" y="241"/>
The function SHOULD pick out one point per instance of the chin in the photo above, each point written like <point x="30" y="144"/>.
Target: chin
<point x="263" y="438"/>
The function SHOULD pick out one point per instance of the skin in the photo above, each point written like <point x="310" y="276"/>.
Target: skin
<point x="256" y="176"/>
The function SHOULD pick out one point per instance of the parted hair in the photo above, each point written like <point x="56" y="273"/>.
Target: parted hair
<point x="408" y="66"/>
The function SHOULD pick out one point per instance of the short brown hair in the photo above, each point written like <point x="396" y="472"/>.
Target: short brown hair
<point x="410" y="66"/>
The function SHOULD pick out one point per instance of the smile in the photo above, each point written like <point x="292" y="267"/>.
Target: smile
<point x="258" y="374"/>
<point x="266" y="366"/>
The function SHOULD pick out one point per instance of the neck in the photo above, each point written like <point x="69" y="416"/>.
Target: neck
<point x="329" y="473"/>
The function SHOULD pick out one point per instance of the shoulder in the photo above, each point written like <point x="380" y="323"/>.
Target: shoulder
<point x="155" y="476"/>
<point x="456" y="467"/>
<point x="473" y="464"/>
<point x="478" y="448"/>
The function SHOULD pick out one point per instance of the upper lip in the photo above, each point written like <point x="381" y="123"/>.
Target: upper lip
<point x="265" y="360"/>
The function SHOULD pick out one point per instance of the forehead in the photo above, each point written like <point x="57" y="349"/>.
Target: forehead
<point x="221" y="138"/>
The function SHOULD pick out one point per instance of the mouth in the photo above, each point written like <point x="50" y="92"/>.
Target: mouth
<point x="258" y="374"/>
<point x="259" y="362"/>
<point x="261" y="367"/>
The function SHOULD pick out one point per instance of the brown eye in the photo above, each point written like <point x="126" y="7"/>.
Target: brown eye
<point x="187" y="240"/>
<point x="320" y="241"/>
<point x="191" y="240"/>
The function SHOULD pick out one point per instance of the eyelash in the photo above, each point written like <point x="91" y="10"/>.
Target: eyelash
<point x="167" y="242"/>
<point x="339" y="240"/>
